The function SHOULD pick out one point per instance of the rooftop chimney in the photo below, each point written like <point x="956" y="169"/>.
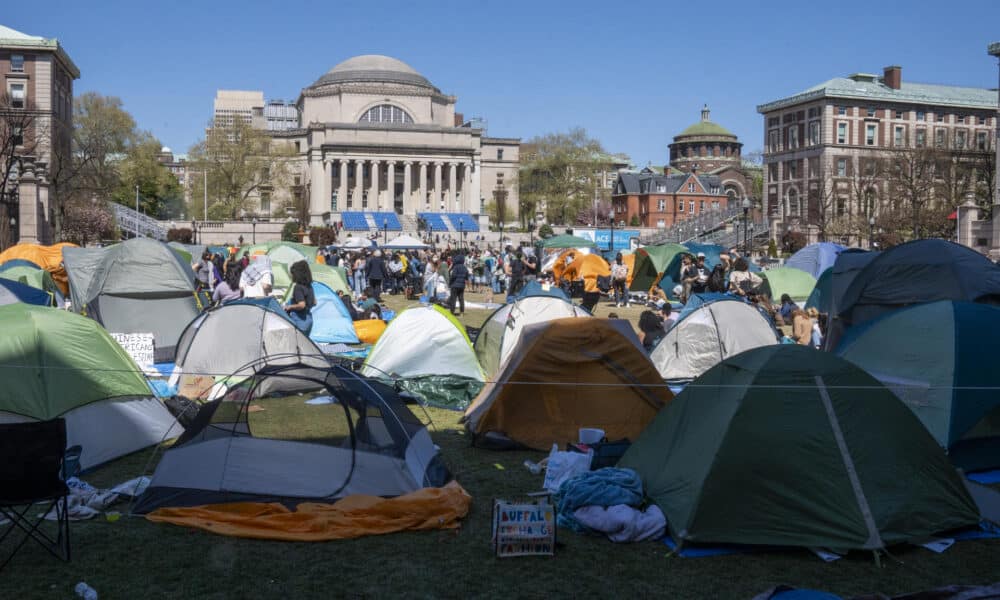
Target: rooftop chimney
<point x="893" y="76"/>
<point x="704" y="113"/>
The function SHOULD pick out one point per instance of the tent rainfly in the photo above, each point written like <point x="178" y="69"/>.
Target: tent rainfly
<point x="815" y="258"/>
<point x="785" y="280"/>
<point x="49" y="258"/>
<point x="405" y="242"/>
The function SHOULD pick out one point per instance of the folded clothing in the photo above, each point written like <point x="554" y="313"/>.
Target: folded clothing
<point x="604" y="487"/>
<point x="623" y="523"/>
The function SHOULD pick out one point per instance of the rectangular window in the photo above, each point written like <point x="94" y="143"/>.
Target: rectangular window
<point x="841" y="133"/>
<point x="364" y="199"/>
<point x="842" y="110"/>
<point x="871" y="111"/>
<point x="813" y="112"/>
<point x="715" y="205"/>
<point x="871" y="131"/>
<point x="17" y="95"/>
<point x="921" y="115"/>
<point x="921" y="138"/>
<point x="333" y="201"/>
<point x="841" y="207"/>
<point x="899" y="114"/>
<point x="960" y="136"/>
<point x="772" y="122"/>
<point x="499" y="153"/>
<point x="691" y="188"/>
<point x="691" y="206"/>
<point x="702" y="207"/>
<point x="793" y="136"/>
<point x="772" y="171"/>
<point x="940" y="117"/>
<point x="960" y="119"/>
<point x="793" y="169"/>
<point x="814" y="133"/>
<point x="772" y="140"/>
<point x="662" y="205"/>
<point x="897" y="136"/>
<point x="981" y="143"/>
<point x="841" y="167"/>
<point x="680" y="206"/>
<point x="981" y="120"/>
<point x="940" y="138"/>
<point x="17" y="63"/>
<point x="813" y="167"/>
<point x="265" y="203"/>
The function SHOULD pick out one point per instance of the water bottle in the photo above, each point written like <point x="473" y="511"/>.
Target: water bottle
<point x="85" y="591"/>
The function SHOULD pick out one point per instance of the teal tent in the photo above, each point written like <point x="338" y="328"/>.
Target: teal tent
<point x="788" y="280"/>
<point x="938" y="358"/>
<point x="786" y="445"/>
<point x="819" y="297"/>
<point x="566" y="241"/>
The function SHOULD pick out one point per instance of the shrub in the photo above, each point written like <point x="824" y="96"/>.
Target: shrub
<point x="322" y="236"/>
<point x="545" y="231"/>
<point x="288" y="232"/>
<point x="180" y="234"/>
<point x="634" y="222"/>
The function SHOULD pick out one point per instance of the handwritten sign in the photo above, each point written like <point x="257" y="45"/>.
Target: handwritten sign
<point x="524" y="529"/>
<point x="139" y="346"/>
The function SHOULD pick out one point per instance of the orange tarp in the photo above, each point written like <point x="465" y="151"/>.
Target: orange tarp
<point x="559" y="266"/>
<point x="352" y="517"/>
<point x="587" y="267"/>
<point x="46" y="257"/>
<point x="369" y="330"/>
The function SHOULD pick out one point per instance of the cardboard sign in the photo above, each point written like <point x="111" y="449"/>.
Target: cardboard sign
<point x="526" y="529"/>
<point x="139" y="346"/>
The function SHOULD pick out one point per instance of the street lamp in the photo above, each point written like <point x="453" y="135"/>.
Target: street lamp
<point x="253" y="222"/>
<point x="871" y="232"/>
<point x="746" y="216"/>
<point x="611" y="242"/>
<point x="385" y="230"/>
<point x="461" y="234"/>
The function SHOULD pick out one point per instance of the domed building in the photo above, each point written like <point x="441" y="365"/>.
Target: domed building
<point x="709" y="148"/>
<point x="381" y="145"/>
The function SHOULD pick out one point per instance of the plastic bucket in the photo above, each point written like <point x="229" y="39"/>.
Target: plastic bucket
<point x="591" y="436"/>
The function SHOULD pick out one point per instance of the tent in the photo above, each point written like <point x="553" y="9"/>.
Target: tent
<point x="14" y="291"/>
<point x="938" y="358"/>
<point x="535" y="288"/>
<point x="427" y="352"/>
<point x="651" y="263"/>
<point x="815" y="258"/>
<point x="285" y="253"/>
<point x="38" y="278"/>
<point x="54" y="363"/>
<point x="49" y="258"/>
<point x="332" y="322"/>
<point x="820" y="297"/>
<point x="914" y="272"/>
<point x="785" y="280"/>
<point x="137" y="286"/>
<point x="347" y="435"/>
<point x="566" y="241"/>
<point x="500" y="332"/>
<point x="586" y="267"/>
<point x="709" y="334"/>
<point x="790" y="446"/>
<point x="567" y="374"/>
<point x="356" y="242"/>
<point x="234" y="339"/>
<point x="334" y="278"/>
<point x="18" y="262"/>
<point x="405" y="242"/>
<point x="849" y="264"/>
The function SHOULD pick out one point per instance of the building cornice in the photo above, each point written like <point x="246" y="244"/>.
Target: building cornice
<point x="51" y="45"/>
<point x="498" y="140"/>
<point x="378" y="89"/>
<point x="915" y="99"/>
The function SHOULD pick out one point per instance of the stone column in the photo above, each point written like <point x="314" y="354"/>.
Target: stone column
<point x="328" y="185"/>
<point x="468" y="193"/>
<point x="407" y="190"/>
<point x="359" y="179"/>
<point x="476" y="187"/>
<point x="422" y="201"/>
<point x="374" y="202"/>
<point x="436" y="194"/>
<point x="452" y="186"/>
<point x="342" y="189"/>
<point x="390" y="185"/>
<point x="317" y="190"/>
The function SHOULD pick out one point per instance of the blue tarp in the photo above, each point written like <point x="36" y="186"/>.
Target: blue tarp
<point x="815" y="258"/>
<point x="533" y="288"/>
<point x="331" y="322"/>
<point x="12" y="292"/>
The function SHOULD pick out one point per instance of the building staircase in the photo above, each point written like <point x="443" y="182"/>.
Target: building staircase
<point x="137" y="224"/>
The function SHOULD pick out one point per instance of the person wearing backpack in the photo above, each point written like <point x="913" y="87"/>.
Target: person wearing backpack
<point x="619" y="277"/>
<point x="459" y="277"/>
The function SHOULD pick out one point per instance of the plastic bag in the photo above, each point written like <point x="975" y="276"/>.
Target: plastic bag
<point x="563" y="465"/>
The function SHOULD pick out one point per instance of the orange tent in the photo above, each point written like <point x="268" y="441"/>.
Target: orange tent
<point x="587" y="267"/>
<point x="46" y="257"/>
<point x="560" y="265"/>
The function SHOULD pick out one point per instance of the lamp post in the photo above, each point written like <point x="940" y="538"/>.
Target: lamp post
<point x="253" y="222"/>
<point x="385" y="231"/>
<point x="461" y="235"/>
<point x="871" y="232"/>
<point x="746" y="217"/>
<point x="611" y="241"/>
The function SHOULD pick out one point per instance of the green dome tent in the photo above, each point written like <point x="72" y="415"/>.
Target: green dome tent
<point x="651" y="262"/>
<point x="937" y="358"/>
<point x="282" y="252"/>
<point x="788" y="280"/>
<point x="790" y="446"/>
<point x="35" y="277"/>
<point x="54" y="363"/>
<point x="334" y="278"/>
<point x="566" y="241"/>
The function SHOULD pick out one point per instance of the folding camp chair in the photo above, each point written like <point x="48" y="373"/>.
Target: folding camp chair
<point x="31" y="478"/>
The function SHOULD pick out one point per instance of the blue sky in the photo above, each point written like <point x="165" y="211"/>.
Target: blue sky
<point x="632" y="74"/>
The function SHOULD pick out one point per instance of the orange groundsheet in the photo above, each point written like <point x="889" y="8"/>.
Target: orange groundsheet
<point x="351" y="517"/>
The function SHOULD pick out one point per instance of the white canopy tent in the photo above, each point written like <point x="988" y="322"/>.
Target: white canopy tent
<point x="405" y="242"/>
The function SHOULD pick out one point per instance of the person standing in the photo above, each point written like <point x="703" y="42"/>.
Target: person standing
<point x="459" y="277"/>
<point x="700" y="283"/>
<point x="619" y="277"/>
<point x="303" y="300"/>
<point x="515" y="275"/>
<point x="376" y="271"/>
<point x="204" y="272"/>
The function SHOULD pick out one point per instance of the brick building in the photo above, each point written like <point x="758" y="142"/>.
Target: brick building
<point x="828" y="149"/>
<point x="37" y="83"/>
<point x="664" y="200"/>
<point x="710" y="148"/>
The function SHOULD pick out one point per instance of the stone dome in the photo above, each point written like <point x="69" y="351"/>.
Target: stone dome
<point x="374" y="68"/>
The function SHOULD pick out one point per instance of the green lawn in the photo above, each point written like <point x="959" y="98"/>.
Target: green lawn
<point x="133" y="558"/>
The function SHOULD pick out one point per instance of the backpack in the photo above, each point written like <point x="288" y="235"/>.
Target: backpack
<point x="717" y="280"/>
<point x="619" y="272"/>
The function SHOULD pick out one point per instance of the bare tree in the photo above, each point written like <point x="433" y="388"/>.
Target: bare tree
<point x="19" y="138"/>
<point x="910" y="173"/>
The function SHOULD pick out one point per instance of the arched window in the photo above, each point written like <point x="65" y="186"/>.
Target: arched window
<point x="385" y="113"/>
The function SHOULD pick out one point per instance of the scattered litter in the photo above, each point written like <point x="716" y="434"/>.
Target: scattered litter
<point x="826" y="555"/>
<point x="85" y="591"/>
<point x="112" y="516"/>
<point x="322" y="400"/>
<point x="498" y="466"/>
<point x="255" y="408"/>
<point x="132" y="487"/>
<point x="535" y="468"/>
<point x="940" y="545"/>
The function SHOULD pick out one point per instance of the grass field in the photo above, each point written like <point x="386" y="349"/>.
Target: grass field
<point x="133" y="558"/>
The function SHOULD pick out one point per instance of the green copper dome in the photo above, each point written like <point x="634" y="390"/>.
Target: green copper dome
<point x="705" y="127"/>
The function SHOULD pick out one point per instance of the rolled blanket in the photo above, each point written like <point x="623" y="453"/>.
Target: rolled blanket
<point x="604" y="487"/>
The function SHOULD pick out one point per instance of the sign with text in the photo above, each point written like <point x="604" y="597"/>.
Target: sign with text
<point x="138" y="345"/>
<point x="602" y="237"/>
<point x="526" y="529"/>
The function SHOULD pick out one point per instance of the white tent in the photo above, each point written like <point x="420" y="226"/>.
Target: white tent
<point x="405" y="242"/>
<point x="708" y="335"/>
<point x="502" y="330"/>
<point x="357" y="242"/>
<point x="424" y="340"/>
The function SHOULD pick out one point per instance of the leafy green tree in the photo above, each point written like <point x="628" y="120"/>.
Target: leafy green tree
<point x="142" y="168"/>
<point x="561" y="172"/>
<point x="545" y="231"/>
<point x="634" y="222"/>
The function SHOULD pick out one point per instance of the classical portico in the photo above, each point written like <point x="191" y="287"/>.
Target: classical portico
<point x="379" y="137"/>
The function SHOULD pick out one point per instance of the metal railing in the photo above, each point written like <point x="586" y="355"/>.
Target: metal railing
<point x="138" y="224"/>
<point x="688" y="229"/>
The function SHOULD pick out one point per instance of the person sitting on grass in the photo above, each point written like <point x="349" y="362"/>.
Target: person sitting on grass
<point x="303" y="300"/>
<point x="651" y="326"/>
